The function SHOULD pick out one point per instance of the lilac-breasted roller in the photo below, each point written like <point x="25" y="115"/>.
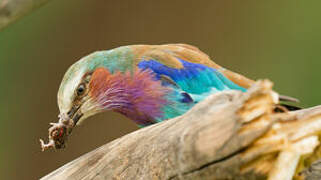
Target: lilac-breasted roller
<point x="146" y="83"/>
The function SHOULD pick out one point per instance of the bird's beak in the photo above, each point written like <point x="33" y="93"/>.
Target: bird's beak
<point x="74" y="114"/>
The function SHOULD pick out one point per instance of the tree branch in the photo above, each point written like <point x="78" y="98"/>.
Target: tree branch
<point x="11" y="10"/>
<point x="230" y="135"/>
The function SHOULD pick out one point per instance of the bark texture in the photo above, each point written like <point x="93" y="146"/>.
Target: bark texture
<point x="11" y="10"/>
<point x="230" y="135"/>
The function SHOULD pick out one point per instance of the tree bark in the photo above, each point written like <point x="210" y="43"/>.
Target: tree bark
<point x="230" y="135"/>
<point x="11" y="10"/>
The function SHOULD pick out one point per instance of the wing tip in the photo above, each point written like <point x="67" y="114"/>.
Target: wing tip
<point x="288" y="99"/>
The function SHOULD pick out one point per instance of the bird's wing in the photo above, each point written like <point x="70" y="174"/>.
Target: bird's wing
<point x="187" y="67"/>
<point x="171" y="55"/>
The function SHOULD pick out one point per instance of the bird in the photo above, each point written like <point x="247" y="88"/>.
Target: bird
<point x="146" y="83"/>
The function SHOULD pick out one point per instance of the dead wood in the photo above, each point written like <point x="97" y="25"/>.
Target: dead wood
<point x="11" y="10"/>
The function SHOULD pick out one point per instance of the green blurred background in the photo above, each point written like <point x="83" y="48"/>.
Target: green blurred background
<point x="279" y="40"/>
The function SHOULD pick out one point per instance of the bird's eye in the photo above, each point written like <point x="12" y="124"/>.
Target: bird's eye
<point x="81" y="89"/>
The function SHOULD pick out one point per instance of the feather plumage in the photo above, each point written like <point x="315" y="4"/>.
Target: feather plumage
<point x="148" y="83"/>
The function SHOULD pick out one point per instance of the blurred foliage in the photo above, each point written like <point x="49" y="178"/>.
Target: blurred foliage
<point x="271" y="39"/>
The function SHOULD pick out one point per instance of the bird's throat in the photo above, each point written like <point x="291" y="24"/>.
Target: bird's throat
<point x="137" y="95"/>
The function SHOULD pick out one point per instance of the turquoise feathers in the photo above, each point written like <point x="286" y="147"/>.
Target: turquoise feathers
<point x="192" y="83"/>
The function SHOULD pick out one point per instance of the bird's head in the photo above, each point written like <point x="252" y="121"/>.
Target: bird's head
<point x="87" y="88"/>
<point x="74" y="98"/>
<point x="91" y="85"/>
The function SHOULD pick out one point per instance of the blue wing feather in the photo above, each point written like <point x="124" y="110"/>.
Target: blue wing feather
<point x="193" y="78"/>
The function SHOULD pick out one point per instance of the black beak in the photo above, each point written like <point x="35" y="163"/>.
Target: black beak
<point x="75" y="114"/>
<point x="76" y="117"/>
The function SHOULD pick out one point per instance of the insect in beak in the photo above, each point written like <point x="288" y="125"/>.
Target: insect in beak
<point x="59" y="132"/>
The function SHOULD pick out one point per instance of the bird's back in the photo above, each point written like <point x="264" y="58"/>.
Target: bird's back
<point x="175" y="55"/>
<point x="189" y="72"/>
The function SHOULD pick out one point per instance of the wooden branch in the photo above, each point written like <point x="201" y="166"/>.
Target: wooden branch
<point x="11" y="10"/>
<point x="230" y="135"/>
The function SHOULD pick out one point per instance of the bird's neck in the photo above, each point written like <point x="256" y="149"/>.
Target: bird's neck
<point x="144" y="98"/>
<point x="136" y="95"/>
